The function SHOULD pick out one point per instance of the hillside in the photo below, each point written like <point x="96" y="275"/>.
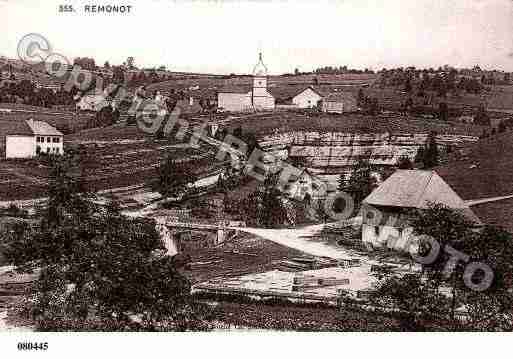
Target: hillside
<point x="118" y="156"/>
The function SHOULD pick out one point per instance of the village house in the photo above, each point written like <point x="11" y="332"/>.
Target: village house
<point x="26" y="139"/>
<point x="339" y="102"/>
<point x="386" y="211"/>
<point x="305" y="185"/>
<point x="241" y="99"/>
<point x="307" y="98"/>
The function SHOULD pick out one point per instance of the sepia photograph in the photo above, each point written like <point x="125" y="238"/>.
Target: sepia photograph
<point x="218" y="171"/>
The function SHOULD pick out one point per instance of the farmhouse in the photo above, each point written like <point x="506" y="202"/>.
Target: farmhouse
<point x="257" y="98"/>
<point x="305" y="185"/>
<point x="339" y="103"/>
<point x="385" y="212"/>
<point x="26" y="139"/>
<point x="307" y="98"/>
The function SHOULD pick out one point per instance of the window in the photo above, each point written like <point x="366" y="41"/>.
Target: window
<point x="56" y="140"/>
<point x="376" y="231"/>
<point x="57" y="150"/>
<point x="38" y="149"/>
<point x="48" y="139"/>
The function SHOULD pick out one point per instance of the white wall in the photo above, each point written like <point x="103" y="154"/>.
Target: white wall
<point x="333" y="107"/>
<point x="20" y="146"/>
<point x="400" y="239"/>
<point x="264" y="101"/>
<point x="234" y="102"/>
<point x="306" y="99"/>
<point x="50" y="146"/>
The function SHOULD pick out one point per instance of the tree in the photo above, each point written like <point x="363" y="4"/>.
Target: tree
<point x="361" y="98"/>
<point x="430" y="154"/>
<point x="407" y="85"/>
<point x="410" y="298"/>
<point x="105" y="117"/>
<point x="361" y="181"/>
<point x="432" y="295"/>
<point x="491" y="309"/>
<point x="443" y="112"/>
<point x="118" y="75"/>
<point x="97" y="266"/>
<point x="404" y="163"/>
<point x="173" y="178"/>
<point x="481" y="116"/>
<point x="266" y="206"/>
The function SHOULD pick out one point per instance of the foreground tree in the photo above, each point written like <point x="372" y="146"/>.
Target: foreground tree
<point x="98" y="268"/>
<point x="434" y="296"/>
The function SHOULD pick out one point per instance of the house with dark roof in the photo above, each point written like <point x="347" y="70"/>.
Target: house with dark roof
<point x="386" y="211"/>
<point x="26" y="139"/>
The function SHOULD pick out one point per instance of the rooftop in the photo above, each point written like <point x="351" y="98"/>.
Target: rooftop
<point x="414" y="189"/>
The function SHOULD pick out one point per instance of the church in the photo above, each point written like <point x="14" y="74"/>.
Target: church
<point x="244" y="99"/>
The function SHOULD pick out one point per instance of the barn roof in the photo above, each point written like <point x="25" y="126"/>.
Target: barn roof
<point x="8" y="127"/>
<point x="414" y="189"/>
<point x="339" y="96"/>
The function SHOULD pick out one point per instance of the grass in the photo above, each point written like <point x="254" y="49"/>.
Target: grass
<point x="268" y="123"/>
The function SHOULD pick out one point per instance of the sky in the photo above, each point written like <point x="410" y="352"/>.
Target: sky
<point x="226" y="36"/>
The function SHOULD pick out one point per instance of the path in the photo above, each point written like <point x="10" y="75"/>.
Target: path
<point x="305" y="239"/>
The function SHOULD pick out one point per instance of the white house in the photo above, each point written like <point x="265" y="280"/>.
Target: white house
<point x="305" y="184"/>
<point x="241" y="99"/>
<point x="307" y="98"/>
<point x="385" y="212"/>
<point x="28" y="138"/>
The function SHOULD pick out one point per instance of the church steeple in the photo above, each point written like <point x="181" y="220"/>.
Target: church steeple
<point x="260" y="69"/>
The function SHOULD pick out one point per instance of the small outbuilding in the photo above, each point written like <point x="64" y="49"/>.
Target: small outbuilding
<point x="339" y="102"/>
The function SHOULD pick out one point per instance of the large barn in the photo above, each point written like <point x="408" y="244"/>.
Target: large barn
<point x="385" y="212"/>
<point x="256" y="98"/>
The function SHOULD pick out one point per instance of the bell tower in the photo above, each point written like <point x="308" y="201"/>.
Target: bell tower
<point x="259" y="79"/>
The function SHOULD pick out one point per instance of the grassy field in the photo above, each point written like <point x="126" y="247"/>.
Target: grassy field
<point x="264" y="124"/>
<point x="65" y="121"/>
